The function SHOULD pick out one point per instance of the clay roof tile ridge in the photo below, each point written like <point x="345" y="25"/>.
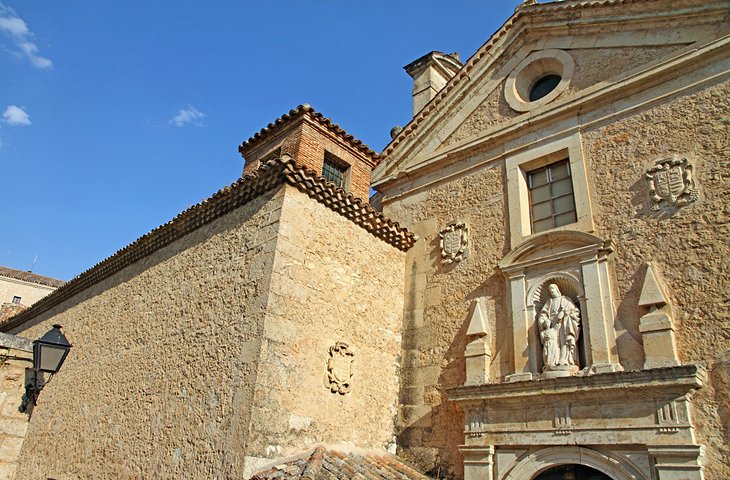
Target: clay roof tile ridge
<point x="314" y="464"/>
<point x="318" y="117"/>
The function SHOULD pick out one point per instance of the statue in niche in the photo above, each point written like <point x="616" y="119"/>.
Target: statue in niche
<point x="559" y="323"/>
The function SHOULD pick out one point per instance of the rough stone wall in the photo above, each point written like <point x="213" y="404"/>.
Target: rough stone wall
<point x="160" y="380"/>
<point x="595" y="65"/>
<point x="689" y="245"/>
<point x="438" y="298"/>
<point x="332" y="282"/>
<point x="493" y="111"/>
<point x="13" y="423"/>
<point x="592" y="66"/>
<point x="28" y="292"/>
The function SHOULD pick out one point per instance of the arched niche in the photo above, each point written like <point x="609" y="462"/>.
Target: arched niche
<point x="579" y="262"/>
<point x="531" y="464"/>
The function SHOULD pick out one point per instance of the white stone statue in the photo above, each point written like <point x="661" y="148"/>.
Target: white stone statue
<point x="559" y="323"/>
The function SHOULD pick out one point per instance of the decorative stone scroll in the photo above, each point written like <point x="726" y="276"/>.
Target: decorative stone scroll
<point x="453" y="243"/>
<point x="475" y="422"/>
<point x="562" y="422"/>
<point x="339" y="368"/>
<point x="671" y="180"/>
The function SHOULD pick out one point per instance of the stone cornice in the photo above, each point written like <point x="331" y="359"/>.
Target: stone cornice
<point x="535" y="17"/>
<point x="584" y="246"/>
<point x="15" y="342"/>
<point x="271" y="175"/>
<point x="590" y="99"/>
<point x="681" y="378"/>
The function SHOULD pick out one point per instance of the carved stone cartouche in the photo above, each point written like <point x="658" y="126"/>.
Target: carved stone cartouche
<point x="339" y="368"/>
<point x="453" y="242"/>
<point x="671" y="180"/>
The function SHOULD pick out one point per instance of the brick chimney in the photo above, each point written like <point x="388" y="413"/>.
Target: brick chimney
<point x="316" y="143"/>
<point x="430" y="73"/>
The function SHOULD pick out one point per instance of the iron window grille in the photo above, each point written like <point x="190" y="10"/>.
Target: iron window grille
<point x="334" y="169"/>
<point x="552" y="203"/>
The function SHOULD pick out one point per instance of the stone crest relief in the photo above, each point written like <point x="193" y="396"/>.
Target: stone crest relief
<point x="339" y="368"/>
<point x="453" y="243"/>
<point x="671" y="180"/>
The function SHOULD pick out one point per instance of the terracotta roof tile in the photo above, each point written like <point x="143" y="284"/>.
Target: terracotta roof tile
<point x="267" y="177"/>
<point x="9" y="310"/>
<point x="325" y="463"/>
<point x="30" y="277"/>
<point x="307" y="109"/>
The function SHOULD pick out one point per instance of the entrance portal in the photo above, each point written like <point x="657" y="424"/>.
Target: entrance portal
<point x="572" y="472"/>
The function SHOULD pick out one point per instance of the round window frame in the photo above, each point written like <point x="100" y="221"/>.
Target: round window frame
<point x="534" y="67"/>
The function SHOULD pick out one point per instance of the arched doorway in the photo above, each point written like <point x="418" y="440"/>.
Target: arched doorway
<point x="572" y="472"/>
<point x="609" y="465"/>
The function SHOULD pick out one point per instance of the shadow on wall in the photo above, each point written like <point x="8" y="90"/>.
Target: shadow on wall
<point x="628" y="337"/>
<point x="719" y="374"/>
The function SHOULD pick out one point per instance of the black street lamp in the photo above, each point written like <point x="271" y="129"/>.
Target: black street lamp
<point x="49" y="353"/>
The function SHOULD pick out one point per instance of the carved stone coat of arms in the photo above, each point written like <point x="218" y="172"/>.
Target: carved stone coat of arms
<point x="453" y="243"/>
<point x="339" y="368"/>
<point x="671" y="180"/>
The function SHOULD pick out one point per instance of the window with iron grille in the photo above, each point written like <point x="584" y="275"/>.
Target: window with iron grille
<point x="551" y="197"/>
<point x="272" y="155"/>
<point x="334" y="170"/>
<point x="16" y="299"/>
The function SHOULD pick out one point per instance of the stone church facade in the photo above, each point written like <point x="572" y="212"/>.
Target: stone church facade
<point x="571" y="189"/>
<point x="541" y="293"/>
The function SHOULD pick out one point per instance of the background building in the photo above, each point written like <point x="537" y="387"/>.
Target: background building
<point x="25" y="288"/>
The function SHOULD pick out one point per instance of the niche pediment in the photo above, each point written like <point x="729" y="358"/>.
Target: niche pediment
<point x="554" y="247"/>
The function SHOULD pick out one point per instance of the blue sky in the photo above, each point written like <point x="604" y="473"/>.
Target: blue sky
<point x="116" y="116"/>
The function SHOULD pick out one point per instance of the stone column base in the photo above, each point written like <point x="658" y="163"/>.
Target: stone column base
<point x="478" y="462"/>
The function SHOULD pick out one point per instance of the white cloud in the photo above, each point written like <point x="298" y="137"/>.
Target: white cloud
<point x="188" y="116"/>
<point x="17" y="30"/>
<point x="15" y="115"/>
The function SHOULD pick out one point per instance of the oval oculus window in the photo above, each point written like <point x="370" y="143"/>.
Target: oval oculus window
<point x="543" y="86"/>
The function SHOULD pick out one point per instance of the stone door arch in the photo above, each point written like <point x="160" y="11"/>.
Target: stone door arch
<point x="532" y="464"/>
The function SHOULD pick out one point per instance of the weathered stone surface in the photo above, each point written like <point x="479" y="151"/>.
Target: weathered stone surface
<point x="15" y="358"/>
<point x="160" y="378"/>
<point x="209" y="355"/>
<point x="689" y="246"/>
<point x="458" y="175"/>
<point x="331" y="283"/>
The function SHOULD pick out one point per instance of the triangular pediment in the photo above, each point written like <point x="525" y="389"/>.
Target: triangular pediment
<point x="477" y="106"/>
